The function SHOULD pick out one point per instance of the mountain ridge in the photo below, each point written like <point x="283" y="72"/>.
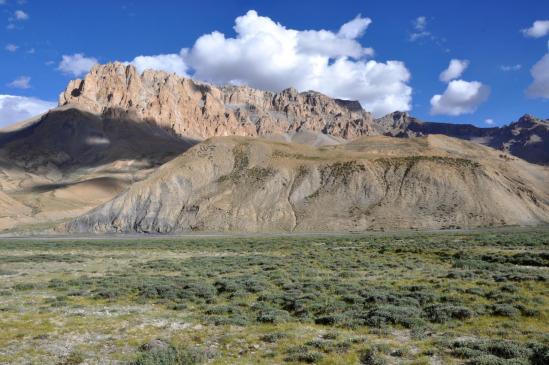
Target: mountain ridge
<point x="199" y="110"/>
<point x="527" y="138"/>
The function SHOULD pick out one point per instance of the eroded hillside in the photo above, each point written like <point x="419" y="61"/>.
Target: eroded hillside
<point x="247" y="184"/>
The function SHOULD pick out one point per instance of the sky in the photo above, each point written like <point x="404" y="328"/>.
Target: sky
<point x="479" y="62"/>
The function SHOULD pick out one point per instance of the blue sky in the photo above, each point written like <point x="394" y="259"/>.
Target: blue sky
<point x="423" y="36"/>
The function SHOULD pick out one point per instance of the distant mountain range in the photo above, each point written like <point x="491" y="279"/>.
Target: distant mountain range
<point x="527" y="138"/>
<point x="101" y="161"/>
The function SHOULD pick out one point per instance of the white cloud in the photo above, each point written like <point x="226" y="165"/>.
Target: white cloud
<point x="508" y="68"/>
<point x="460" y="97"/>
<point x="267" y="55"/>
<point x="355" y="28"/>
<point x="420" y="23"/>
<point x="76" y="64"/>
<point x="165" y="62"/>
<point x="540" y="73"/>
<point x="21" y="15"/>
<point x="489" y="121"/>
<point x="455" y="70"/>
<point x="420" y="29"/>
<point x="2" y="2"/>
<point x="22" y="82"/>
<point x="10" y="47"/>
<point x="16" y="108"/>
<point x="539" y="29"/>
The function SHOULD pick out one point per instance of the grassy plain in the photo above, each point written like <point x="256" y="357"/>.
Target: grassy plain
<point x="407" y="298"/>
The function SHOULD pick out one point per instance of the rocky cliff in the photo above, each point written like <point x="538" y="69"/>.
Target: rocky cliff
<point x="257" y="185"/>
<point x="199" y="110"/>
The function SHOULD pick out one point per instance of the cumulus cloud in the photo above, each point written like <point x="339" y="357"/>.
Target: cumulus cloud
<point x="540" y="73"/>
<point x="10" y="47"/>
<point x="21" y="15"/>
<point x="76" y="64"/>
<point x="22" y="82"/>
<point x="266" y="55"/>
<point x="165" y="62"/>
<point x="539" y="29"/>
<point x="489" y="121"/>
<point x="455" y="70"/>
<point x="16" y="108"/>
<point x="460" y="97"/>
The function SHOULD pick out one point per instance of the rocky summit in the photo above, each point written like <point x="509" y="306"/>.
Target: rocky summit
<point x="193" y="109"/>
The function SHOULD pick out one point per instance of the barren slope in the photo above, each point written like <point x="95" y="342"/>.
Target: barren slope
<point x="247" y="184"/>
<point x="67" y="161"/>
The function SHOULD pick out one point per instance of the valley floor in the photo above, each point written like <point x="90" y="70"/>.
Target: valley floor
<point x="475" y="297"/>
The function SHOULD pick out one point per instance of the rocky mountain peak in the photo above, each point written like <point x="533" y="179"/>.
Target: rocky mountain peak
<point x="199" y="110"/>
<point x="529" y="120"/>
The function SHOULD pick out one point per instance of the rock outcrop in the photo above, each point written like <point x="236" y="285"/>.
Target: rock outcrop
<point x="193" y="109"/>
<point x="257" y="185"/>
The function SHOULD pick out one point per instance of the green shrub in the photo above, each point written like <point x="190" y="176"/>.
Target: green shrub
<point x="303" y="354"/>
<point x="540" y="354"/>
<point x="273" y="316"/>
<point x="273" y="337"/>
<point x="505" y="310"/>
<point x="492" y="351"/>
<point x="369" y="356"/>
<point x="441" y="313"/>
<point x="390" y="314"/>
<point x="172" y="355"/>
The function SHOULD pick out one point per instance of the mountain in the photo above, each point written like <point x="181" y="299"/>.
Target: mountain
<point x="278" y="161"/>
<point x="193" y="109"/>
<point x="67" y="161"/>
<point x="258" y="185"/>
<point x="527" y="138"/>
<point x="198" y="110"/>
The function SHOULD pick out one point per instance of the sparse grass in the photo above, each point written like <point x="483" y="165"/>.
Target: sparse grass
<point x="463" y="297"/>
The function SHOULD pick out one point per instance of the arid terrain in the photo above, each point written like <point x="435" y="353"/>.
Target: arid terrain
<point x="242" y="184"/>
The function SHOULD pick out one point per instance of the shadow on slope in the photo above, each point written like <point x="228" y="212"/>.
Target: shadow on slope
<point x="70" y="138"/>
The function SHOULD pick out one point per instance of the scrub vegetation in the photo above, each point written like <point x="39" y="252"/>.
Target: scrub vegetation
<point x="407" y="298"/>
